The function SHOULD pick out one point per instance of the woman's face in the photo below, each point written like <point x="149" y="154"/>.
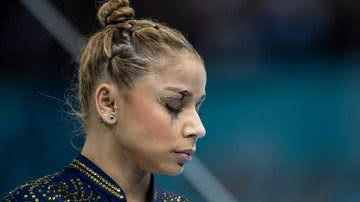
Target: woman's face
<point x="158" y="124"/>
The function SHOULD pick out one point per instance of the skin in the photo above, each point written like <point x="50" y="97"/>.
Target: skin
<point x="145" y="133"/>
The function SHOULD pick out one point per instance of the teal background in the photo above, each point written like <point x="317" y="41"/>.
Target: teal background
<point x="282" y="111"/>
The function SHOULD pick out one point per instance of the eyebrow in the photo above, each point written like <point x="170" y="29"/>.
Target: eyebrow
<point x="185" y="92"/>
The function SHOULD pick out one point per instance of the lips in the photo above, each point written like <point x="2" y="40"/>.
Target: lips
<point x="186" y="151"/>
<point x="185" y="155"/>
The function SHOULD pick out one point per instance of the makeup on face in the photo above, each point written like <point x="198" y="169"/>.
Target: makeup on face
<point x="175" y="103"/>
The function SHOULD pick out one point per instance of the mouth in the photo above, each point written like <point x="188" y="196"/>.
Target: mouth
<point x="184" y="156"/>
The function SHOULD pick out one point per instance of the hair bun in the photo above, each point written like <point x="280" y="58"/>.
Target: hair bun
<point x="115" y="11"/>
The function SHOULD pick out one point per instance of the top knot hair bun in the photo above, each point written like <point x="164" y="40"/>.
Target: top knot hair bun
<point x="115" y="11"/>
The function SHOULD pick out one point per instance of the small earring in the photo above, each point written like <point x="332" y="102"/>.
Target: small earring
<point x="112" y="115"/>
<point x="105" y="114"/>
<point x="109" y="116"/>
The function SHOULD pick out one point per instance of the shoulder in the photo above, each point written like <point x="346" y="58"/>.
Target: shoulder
<point x="163" y="195"/>
<point x="55" y="187"/>
<point x="35" y="190"/>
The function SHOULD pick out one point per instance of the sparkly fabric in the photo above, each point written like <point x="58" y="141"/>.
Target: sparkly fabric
<point x="81" y="180"/>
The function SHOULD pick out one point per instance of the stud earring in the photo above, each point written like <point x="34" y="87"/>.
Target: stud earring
<point x="105" y="114"/>
<point x="112" y="115"/>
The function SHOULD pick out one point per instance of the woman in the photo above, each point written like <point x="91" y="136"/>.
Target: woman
<point x="141" y="84"/>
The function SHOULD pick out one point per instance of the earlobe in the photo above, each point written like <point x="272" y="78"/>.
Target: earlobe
<point x="108" y="117"/>
<point x="105" y="103"/>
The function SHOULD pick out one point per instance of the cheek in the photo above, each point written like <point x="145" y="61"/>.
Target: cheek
<point x="153" y="120"/>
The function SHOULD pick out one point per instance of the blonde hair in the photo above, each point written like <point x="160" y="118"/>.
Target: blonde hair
<point x="123" y="50"/>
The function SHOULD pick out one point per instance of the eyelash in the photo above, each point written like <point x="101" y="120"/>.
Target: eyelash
<point x="176" y="111"/>
<point x="172" y="109"/>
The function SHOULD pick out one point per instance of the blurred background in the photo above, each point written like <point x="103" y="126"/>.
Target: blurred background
<point x="283" y="97"/>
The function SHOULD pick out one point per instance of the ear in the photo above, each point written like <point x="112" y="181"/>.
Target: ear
<point x="106" y="95"/>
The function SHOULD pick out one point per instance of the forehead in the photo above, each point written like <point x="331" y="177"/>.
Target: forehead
<point x="182" y="70"/>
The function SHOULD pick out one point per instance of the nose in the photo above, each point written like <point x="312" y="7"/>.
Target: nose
<point x="193" y="126"/>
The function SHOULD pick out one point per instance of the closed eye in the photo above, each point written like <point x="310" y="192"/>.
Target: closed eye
<point x="173" y="105"/>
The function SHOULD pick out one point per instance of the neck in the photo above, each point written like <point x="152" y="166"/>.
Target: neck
<point x="101" y="148"/>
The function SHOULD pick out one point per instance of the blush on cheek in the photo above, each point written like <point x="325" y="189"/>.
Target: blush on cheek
<point x="155" y="122"/>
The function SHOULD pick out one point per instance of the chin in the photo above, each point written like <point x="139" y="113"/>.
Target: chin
<point x="172" y="170"/>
